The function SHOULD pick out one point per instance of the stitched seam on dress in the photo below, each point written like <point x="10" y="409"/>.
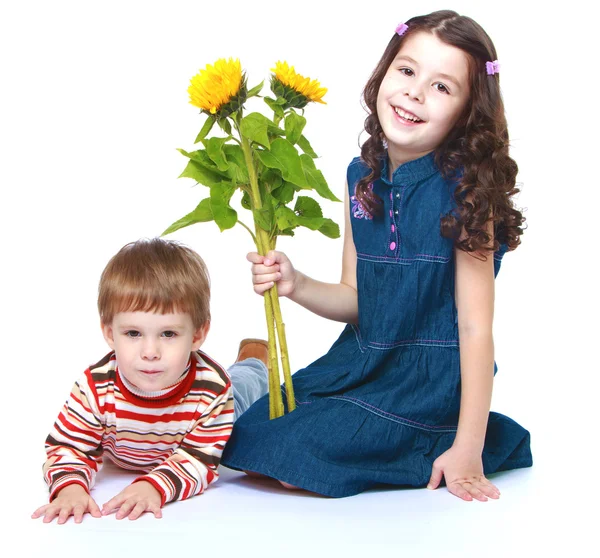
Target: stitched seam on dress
<point x="408" y="341"/>
<point x="422" y="343"/>
<point x="392" y="417"/>
<point x="358" y="338"/>
<point x="404" y="261"/>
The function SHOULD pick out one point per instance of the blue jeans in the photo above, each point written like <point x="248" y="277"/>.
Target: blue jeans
<point x="249" y="379"/>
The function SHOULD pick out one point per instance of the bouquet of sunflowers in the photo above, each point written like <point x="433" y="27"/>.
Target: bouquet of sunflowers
<point x="270" y="161"/>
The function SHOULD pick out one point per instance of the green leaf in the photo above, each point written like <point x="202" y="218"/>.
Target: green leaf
<point x="306" y="147"/>
<point x="201" y="214"/>
<point x="286" y="218"/>
<point x="214" y="149"/>
<point x="237" y="164"/>
<point x="201" y="174"/>
<point x="315" y="178"/>
<point x="330" y="229"/>
<point x="274" y="106"/>
<point x="256" y="90"/>
<point x="255" y="126"/>
<point x="294" y="124"/>
<point x="208" y="124"/>
<point x="307" y="207"/>
<point x="314" y="223"/>
<point x="225" y="216"/>
<point x="264" y="218"/>
<point x="246" y="200"/>
<point x="284" y="193"/>
<point x="225" y="126"/>
<point x="286" y="232"/>
<point x="283" y="156"/>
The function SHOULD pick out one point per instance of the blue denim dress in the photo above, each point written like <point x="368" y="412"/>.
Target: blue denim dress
<point x="383" y="403"/>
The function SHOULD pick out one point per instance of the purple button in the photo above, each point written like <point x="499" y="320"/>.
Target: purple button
<point x="393" y="228"/>
<point x="393" y="246"/>
<point x="390" y="195"/>
<point x="391" y="215"/>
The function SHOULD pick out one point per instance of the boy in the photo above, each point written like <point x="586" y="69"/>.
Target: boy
<point x="155" y="403"/>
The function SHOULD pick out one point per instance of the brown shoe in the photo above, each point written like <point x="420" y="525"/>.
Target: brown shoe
<point x="254" y="348"/>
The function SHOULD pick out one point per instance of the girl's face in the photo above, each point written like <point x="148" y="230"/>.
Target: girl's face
<point x="421" y="97"/>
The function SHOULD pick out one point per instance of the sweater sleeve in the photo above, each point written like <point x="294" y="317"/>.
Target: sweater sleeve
<point x="193" y="465"/>
<point x="73" y="447"/>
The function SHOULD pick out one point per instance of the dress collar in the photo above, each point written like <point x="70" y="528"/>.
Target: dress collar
<point x="410" y="172"/>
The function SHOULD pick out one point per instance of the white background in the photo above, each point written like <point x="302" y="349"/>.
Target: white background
<point x="93" y="104"/>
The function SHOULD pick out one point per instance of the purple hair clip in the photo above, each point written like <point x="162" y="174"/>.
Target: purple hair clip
<point x="401" y="29"/>
<point x="492" y="67"/>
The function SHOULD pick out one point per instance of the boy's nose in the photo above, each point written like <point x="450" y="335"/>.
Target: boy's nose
<point x="150" y="351"/>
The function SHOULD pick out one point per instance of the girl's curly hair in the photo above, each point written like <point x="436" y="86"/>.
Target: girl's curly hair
<point x="476" y="150"/>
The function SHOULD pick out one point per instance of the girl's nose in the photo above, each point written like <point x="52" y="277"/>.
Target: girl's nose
<point x="414" y="91"/>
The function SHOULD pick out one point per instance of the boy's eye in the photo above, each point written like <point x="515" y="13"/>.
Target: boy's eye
<point x="169" y="334"/>
<point x="133" y="333"/>
<point x="442" y="88"/>
<point x="407" y="71"/>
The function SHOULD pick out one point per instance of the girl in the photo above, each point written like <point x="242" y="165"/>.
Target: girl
<point x="397" y="399"/>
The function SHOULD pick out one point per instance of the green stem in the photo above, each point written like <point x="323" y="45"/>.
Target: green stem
<point x="285" y="361"/>
<point x="251" y="233"/>
<point x="262" y="243"/>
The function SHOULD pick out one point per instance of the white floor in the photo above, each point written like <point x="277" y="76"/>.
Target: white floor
<point x="240" y="516"/>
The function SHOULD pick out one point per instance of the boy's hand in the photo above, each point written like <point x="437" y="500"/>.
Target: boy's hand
<point x="463" y="471"/>
<point x="136" y="499"/>
<point x="71" y="500"/>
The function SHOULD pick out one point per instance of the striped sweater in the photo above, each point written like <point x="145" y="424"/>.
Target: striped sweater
<point x="176" y="439"/>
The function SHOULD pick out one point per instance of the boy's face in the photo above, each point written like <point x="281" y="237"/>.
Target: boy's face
<point x="153" y="350"/>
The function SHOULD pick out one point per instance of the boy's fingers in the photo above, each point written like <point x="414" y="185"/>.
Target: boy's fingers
<point x="78" y="512"/>
<point x="94" y="509"/>
<point x="64" y="515"/>
<point x="40" y="511"/>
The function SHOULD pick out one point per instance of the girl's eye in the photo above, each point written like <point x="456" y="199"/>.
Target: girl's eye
<point x="407" y="71"/>
<point x="133" y="333"/>
<point x="442" y="88"/>
<point x="169" y="334"/>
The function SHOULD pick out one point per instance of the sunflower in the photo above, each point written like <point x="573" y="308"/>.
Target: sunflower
<point x="297" y="90"/>
<point x="219" y="88"/>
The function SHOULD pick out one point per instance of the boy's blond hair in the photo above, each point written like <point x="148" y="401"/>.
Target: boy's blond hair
<point x="155" y="275"/>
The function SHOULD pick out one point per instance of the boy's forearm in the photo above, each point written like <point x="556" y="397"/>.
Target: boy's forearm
<point x="477" y="377"/>
<point x="335" y="301"/>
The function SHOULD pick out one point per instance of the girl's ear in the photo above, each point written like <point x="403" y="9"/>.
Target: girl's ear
<point x="200" y="336"/>
<point x="109" y="337"/>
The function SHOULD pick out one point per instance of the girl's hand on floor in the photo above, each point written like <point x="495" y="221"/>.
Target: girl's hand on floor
<point x="71" y="500"/>
<point x="463" y="472"/>
<point x="273" y="268"/>
<point x="136" y="499"/>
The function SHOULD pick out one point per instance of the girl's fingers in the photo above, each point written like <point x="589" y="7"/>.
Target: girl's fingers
<point x="459" y="491"/>
<point x="488" y="489"/>
<point x="94" y="509"/>
<point x="475" y="492"/>
<point x="260" y="289"/>
<point x="156" y="511"/>
<point x="254" y="257"/>
<point x="266" y="278"/>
